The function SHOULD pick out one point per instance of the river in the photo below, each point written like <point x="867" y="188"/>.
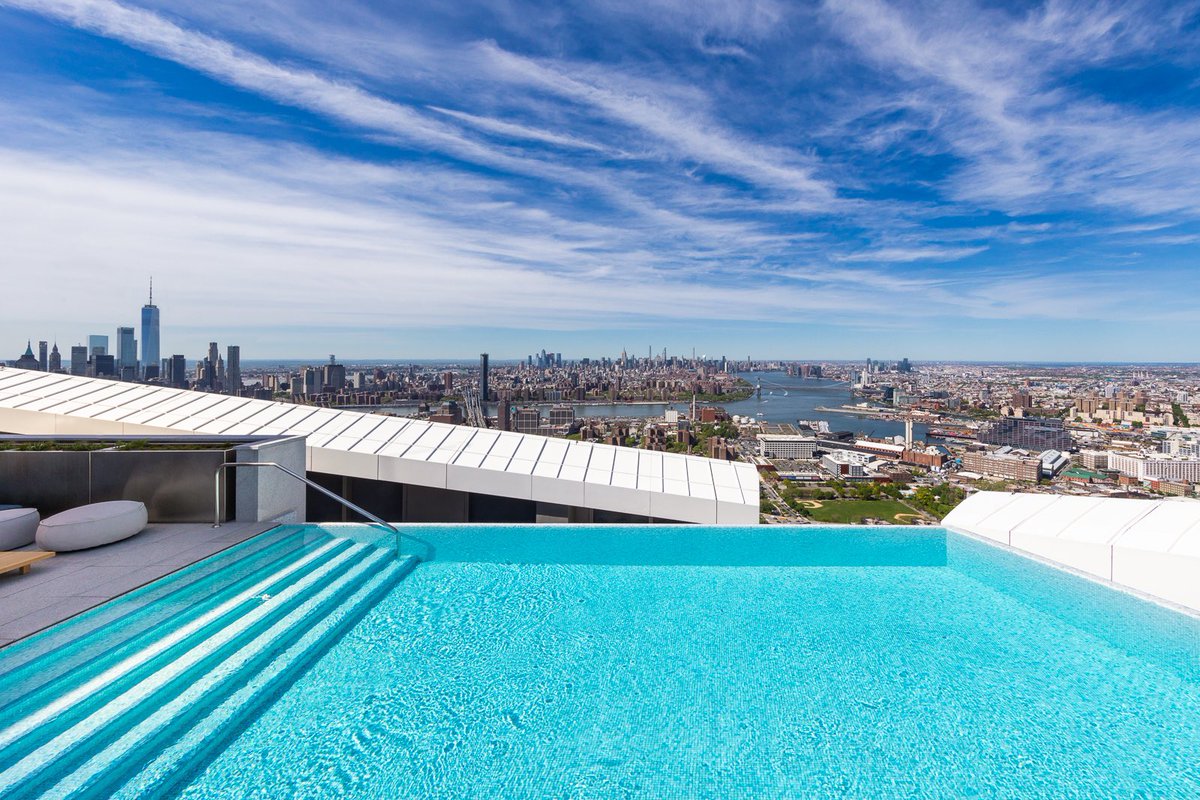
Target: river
<point x="800" y="403"/>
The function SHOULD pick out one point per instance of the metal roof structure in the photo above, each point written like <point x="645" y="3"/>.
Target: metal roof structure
<point x="398" y="449"/>
<point x="1151" y="546"/>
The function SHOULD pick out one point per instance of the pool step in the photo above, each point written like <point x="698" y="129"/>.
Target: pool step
<point x="98" y="686"/>
<point x="199" y="744"/>
<point x="189" y="681"/>
<point x="85" y="643"/>
<point x="18" y="656"/>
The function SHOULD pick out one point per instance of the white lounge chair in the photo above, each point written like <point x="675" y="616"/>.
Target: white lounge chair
<point x="92" y="525"/>
<point x="18" y="527"/>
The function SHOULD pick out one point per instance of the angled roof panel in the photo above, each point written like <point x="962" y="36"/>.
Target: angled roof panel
<point x="506" y="445"/>
<point x="468" y="458"/>
<point x="535" y="448"/>
<point x="23" y="383"/>
<point x="515" y="466"/>
<point x="1162" y="529"/>
<point x="482" y="442"/>
<point x="264" y="416"/>
<point x="388" y="428"/>
<point x="626" y="461"/>
<point x="408" y="450"/>
<point x="287" y="422"/>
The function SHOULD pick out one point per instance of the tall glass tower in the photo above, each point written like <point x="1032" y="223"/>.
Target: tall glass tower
<point x="150" y="355"/>
<point x="126" y="353"/>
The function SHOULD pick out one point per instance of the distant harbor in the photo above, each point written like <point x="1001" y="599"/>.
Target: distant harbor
<point x="861" y="411"/>
<point x="784" y="399"/>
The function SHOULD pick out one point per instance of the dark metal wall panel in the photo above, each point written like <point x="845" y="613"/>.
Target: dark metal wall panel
<point x="321" y="508"/>
<point x="176" y="486"/>
<point x="426" y="504"/>
<point x="384" y="499"/>
<point x="488" y="508"/>
<point x="48" y="481"/>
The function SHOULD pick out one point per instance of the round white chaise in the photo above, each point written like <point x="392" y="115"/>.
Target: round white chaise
<point x="18" y="527"/>
<point x="91" y="525"/>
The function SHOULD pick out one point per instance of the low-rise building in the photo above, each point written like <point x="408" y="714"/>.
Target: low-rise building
<point x="930" y="457"/>
<point x="1156" y="466"/>
<point x="450" y="413"/>
<point x="1093" y="459"/>
<point x="1173" y="488"/>
<point x="1054" y="462"/>
<point x="845" y="464"/>
<point x="719" y="448"/>
<point x="795" y="448"/>
<point x="1003" y="465"/>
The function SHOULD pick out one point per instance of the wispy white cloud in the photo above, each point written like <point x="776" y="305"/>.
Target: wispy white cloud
<point x="731" y="157"/>
<point x="688" y="132"/>
<point x="517" y="131"/>
<point x="398" y="123"/>
<point x="224" y="238"/>
<point x="906" y="254"/>
<point x="221" y="60"/>
<point x="989" y="82"/>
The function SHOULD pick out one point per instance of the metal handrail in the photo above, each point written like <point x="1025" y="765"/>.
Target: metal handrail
<point x="313" y="484"/>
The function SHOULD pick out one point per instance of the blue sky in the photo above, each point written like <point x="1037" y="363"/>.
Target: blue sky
<point x="851" y="179"/>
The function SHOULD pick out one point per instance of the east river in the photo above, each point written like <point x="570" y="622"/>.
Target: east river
<point x="784" y="399"/>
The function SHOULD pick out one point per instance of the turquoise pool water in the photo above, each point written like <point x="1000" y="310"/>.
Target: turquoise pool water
<point x="622" y="662"/>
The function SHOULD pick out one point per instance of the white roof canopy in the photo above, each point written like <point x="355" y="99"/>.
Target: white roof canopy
<point x="362" y="445"/>
<point x="1151" y="546"/>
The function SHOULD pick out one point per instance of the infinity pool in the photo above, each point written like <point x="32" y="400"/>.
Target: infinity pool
<point x="648" y="662"/>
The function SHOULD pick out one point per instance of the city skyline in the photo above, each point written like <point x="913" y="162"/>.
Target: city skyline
<point x="596" y="345"/>
<point x="776" y="179"/>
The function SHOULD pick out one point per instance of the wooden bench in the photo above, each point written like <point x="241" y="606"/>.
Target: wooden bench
<point x="21" y="559"/>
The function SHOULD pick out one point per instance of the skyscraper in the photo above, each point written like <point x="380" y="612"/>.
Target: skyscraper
<point x="211" y="380"/>
<point x="150" y="354"/>
<point x="333" y="375"/>
<point x="483" y="377"/>
<point x="526" y="420"/>
<point x="97" y="345"/>
<point x="126" y="352"/>
<point x="233" y="369"/>
<point x="27" y="359"/>
<point x="504" y="412"/>
<point x="310" y="380"/>
<point x="105" y="365"/>
<point x="43" y="356"/>
<point x="79" y="359"/>
<point x="55" y="359"/>
<point x="178" y="376"/>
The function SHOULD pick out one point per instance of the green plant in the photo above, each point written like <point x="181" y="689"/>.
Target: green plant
<point x="1179" y="418"/>
<point x="937" y="500"/>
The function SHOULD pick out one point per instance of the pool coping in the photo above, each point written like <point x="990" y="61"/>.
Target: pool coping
<point x="1169" y="605"/>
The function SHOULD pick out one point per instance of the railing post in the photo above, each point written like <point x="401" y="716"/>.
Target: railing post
<point x="332" y="495"/>
<point x="217" y="495"/>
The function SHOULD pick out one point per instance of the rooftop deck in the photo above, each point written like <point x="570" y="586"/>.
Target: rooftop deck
<point x="60" y="587"/>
